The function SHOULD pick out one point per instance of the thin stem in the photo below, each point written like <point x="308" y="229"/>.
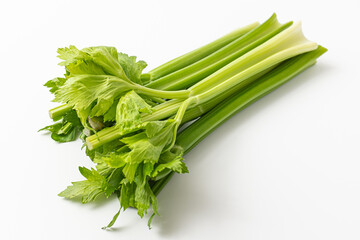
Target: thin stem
<point x="111" y="133"/>
<point x="178" y="118"/>
<point x="163" y="94"/>
<point x="163" y="111"/>
<point x="104" y="136"/>
<point x="154" y="94"/>
<point x="66" y="128"/>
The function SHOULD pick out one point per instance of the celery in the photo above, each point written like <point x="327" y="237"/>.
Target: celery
<point x="132" y="119"/>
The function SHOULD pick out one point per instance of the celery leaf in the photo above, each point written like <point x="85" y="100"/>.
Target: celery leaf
<point x="88" y="189"/>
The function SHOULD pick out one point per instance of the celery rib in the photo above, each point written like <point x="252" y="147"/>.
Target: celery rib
<point x="197" y="131"/>
<point x="197" y="54"/>
<point x="192" y="73"/>
<point x="209" y="68"/>
<point x="58" y="112"/>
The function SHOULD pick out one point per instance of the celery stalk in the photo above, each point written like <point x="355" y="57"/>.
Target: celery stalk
<point x="58" y="112"/>
<point x="197" y="131"/>
<point x="191" y="74"/>
<point x="198" y="54"/>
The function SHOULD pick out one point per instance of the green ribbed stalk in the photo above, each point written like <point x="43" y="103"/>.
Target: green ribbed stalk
<point x="58" y="112"/>
<point x="284" y="45"/>
<point x="196" y="55"/>
<point x="199" y="110"/>
<point x="187" y="76"/>
<point x="207" y="69"/>
<point x="162" y="94"/>
<point x="197" y="131"/>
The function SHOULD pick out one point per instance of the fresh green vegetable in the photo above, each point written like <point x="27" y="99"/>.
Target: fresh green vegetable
<point x="130" y="120"/>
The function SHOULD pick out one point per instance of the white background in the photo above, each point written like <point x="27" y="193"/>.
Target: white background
<point x="285" y="168"/>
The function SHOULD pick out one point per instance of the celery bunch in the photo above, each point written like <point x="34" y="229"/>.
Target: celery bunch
<point x="130" y="120"/>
